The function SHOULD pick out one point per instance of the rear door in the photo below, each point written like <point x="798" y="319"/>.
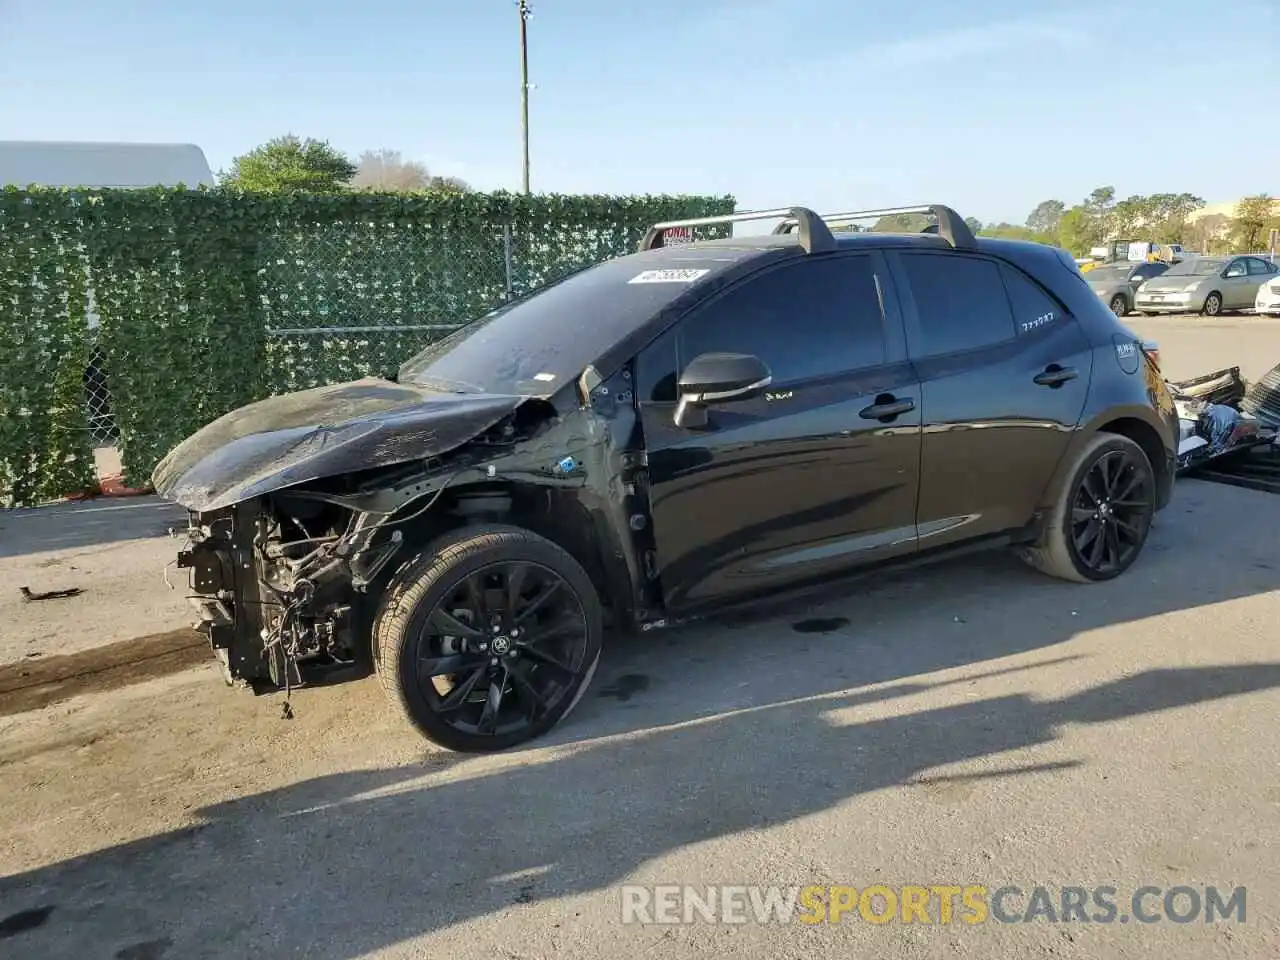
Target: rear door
<point x="1004" y="372"/>
<point x="804" y="480"/>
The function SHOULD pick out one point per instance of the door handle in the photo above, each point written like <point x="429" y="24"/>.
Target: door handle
<point x="886" y="407"/>
<point x="1056" y="376"/>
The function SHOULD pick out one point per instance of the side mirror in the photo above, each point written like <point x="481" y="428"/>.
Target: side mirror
<point x="718" y="378"/>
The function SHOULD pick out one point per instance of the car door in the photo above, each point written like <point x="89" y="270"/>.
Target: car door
<point x="1237" y="292"/>
<point x="805" y="479"/>
<point x="1259" y="272"/>
<point x="1004" y="372"/>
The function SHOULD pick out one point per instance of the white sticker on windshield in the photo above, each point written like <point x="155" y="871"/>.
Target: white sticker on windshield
<point x="668" y="276"/>
<point x="544" y="377"/>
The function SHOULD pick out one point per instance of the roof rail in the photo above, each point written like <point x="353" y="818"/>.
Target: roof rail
<point x="815" y="235"/>
<point x="950" y="224"/>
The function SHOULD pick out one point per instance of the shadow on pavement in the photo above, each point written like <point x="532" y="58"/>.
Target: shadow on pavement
<point x="915" y="622"/>
<point x="334" y="868"/>
<point x="689" y="735"/>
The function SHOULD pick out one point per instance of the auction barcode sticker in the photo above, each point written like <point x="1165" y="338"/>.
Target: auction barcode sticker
<point x="668" y="276"/>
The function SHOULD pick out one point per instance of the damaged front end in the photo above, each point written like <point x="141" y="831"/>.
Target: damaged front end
<point x="287" y="580"/>
<point x="298" y="504"/>
<point x="277" y="610"/>
<point x="1213" y="419"/>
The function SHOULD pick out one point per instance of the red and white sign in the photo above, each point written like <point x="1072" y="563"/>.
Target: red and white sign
<point x="673" y="235"/>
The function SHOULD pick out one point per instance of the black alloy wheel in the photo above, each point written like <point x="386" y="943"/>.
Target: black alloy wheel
<point x="502" y="648"/>
<point x="1111" y="514"/>
<point x="487" y="638"/>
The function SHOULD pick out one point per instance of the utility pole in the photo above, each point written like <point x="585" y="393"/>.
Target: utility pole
<point x="524" y="87"/>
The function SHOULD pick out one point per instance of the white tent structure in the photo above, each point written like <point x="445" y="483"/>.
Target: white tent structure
<point x="25" y="163"/>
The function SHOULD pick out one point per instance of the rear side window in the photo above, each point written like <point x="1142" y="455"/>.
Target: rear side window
<point x="960" y="301"/>
<point x="810" y="318"/>
<point x="1032" y="307"/>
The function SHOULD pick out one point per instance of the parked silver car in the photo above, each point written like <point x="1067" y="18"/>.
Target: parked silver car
<point x="1117" y="283"/>
<point x="1207" y="285"/>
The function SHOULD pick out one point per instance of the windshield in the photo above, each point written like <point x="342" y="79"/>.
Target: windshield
<point x="1108" y="274"/>
<point x="534" y="346"/>
<point x="1201" y="267"/>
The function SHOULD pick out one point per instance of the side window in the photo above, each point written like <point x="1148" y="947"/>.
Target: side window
<point x="809" y="318"/>
<point x="961" y="302"/>
<point x="1235" y="269"/>
<point x="1259" y="267"/>
<point x="1032" y="306"/>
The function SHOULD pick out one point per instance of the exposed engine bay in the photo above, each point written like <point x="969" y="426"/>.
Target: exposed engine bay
<point x="286" y="584"/>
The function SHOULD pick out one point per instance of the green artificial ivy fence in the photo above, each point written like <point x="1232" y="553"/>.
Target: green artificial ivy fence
<point x="199" y="301"/>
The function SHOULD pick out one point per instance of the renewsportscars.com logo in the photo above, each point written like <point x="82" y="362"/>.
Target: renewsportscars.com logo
<point x="965" y="904"/>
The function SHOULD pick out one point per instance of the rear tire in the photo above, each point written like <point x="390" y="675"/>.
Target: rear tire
<point x="1110" y="494"/>
<point x="471" y="611"/>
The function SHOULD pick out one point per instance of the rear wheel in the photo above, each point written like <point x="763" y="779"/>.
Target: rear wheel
<point x="1212" y="305"/>
<point x="488" y="638"/>
<point x="1100" y="524"/>
<point x="1119" y="305"/>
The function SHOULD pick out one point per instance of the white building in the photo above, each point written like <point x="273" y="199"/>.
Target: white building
<point x="25" y="163"/>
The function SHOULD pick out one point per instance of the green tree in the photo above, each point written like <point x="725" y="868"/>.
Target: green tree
<point x="291" y="164"/>
<point x="1046" y="217"/>
<point x="386" y="170"/>
<point x="1077" y="231"/>
<point x="974" y="224"/>
<point x="1009" y="231"/>
<point x="1100" y="201"/>
<point x="1252" y="223"/>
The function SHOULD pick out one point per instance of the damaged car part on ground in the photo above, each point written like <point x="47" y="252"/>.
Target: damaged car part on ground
<point x="1220" y="418"/>
<point x="662" y="435"/>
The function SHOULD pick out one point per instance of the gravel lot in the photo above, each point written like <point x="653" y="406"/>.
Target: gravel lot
<point x="973" y="723"/>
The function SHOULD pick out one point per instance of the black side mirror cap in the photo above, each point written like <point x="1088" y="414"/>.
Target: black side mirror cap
<point x="718" y="378"/>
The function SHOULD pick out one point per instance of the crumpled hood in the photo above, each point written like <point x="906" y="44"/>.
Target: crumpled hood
<point x="322" y="432"/>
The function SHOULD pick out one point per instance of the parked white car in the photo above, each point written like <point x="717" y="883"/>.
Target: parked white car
<point x="1267" y="301"/>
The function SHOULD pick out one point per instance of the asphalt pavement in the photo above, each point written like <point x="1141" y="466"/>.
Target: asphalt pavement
<point x="971" y="724"/>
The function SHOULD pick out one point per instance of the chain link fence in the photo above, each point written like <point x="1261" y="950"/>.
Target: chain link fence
<point x="131" y="318"/>
<point x="344" y="300"/>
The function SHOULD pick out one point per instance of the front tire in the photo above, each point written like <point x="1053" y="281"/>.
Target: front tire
<point x="1212" y="305"/>
<point x="1099" y="525"/>
<point x="1119" y="305"/>
<point x="488" y="638"/>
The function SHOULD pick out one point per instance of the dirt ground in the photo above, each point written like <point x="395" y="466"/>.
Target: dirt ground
<point x="970" y="723"/>
<point x="114" y="551"/>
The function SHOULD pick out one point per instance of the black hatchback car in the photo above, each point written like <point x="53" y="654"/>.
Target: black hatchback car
<point x="660" y="435"/>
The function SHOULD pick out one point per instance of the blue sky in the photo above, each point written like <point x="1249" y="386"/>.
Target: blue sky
<point x="989" y="105"/>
